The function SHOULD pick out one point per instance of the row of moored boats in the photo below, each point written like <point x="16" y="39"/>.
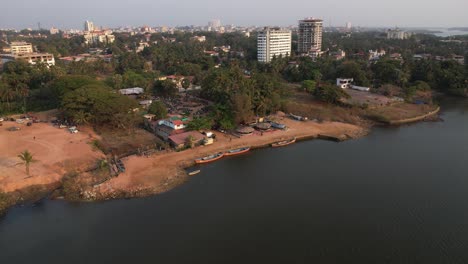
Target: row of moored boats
<point x="239" y="151"/>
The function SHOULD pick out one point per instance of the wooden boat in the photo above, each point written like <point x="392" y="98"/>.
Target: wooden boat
<point x="238" y="151"/>
<point x="277" y="125"/>
<point x="194" y="172"/>
<point x="283" y="143"/>
<point x="210" y="158"/>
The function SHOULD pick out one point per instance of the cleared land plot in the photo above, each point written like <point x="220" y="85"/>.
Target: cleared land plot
<point x="55" y="150"/>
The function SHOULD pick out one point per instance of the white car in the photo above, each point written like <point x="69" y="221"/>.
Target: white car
<point x="1" y="119"/>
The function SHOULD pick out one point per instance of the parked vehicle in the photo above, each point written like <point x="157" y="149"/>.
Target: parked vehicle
<point x="14" y="129"/>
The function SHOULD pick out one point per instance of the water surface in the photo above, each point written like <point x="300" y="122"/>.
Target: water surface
<point x="399" y="195"/>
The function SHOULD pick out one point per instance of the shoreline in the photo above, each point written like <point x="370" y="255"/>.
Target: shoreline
<point x="414" y="119"/>
<point x="162" y="172"/>
<point x="152" y="179"/>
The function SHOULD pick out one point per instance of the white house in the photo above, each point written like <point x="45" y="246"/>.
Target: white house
<point x="344" y="83"/>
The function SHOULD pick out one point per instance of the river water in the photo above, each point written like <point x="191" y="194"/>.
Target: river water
<point x="399" y="195"/>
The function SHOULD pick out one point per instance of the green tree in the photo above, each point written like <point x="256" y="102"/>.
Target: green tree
<point x="27" y="158"/>
<point x="158" y="109"/>
<point x="185" y="83"/>
<point x="101" y="106"/>
<point x="330" y="93"/>
<point x="309" y="86"/>
<point x="165" y="88"/>
<point x="200" y="123"/>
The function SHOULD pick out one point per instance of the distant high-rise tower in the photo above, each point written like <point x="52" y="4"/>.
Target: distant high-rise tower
<point x="349" y="25"/>
<point x="273" y="42"/>
<point x="310" y="36"/>
<point x="89" y="26"/>
<point x="215" y="23"/>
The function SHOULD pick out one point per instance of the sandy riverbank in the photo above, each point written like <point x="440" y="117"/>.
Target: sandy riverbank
<point x="55" y="150"/>
<point x="163" y="171"/>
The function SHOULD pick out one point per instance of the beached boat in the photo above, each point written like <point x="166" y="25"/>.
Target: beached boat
<point x="210" y="158"/>
<point x="194" y="172"/>
<point x="283" y="143"/>
<point x="277" y="125"/>
<point x="238" y="151"/>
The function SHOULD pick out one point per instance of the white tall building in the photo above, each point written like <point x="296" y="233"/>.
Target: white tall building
<point x="214" y="24"/>
<point x="273" y="42"/>
<point x="88" y="26"/>
<point x="397" y="34"/>
<point x="310" y="36"/>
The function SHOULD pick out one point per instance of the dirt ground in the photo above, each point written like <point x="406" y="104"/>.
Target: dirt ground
<point x="365" y="98"/>
<point x="154" y="171"/>
<point x="403" y="111"/>
<point x="55" y="150"/>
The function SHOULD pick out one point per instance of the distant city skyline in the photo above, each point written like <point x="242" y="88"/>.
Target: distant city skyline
<point x="21" y="14"/>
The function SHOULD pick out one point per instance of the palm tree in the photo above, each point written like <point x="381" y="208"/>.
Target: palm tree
<point x="26" y="158"/>
<point x="81" y="118"/>
<point x="23" y="93"/>
<point x="7" y="94"/>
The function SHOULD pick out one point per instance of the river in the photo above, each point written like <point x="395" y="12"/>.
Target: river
<point x="399" y="195"/>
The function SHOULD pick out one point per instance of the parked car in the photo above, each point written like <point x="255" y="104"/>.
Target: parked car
<point x="13" y="129"/>
<point x="1" y="119"/>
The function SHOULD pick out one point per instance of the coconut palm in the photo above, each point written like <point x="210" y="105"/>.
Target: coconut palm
<point x="27" y="158"/>
<point x="7" y="94"/>
<point x="81" y="118"/>
<point x="23" y="93"/>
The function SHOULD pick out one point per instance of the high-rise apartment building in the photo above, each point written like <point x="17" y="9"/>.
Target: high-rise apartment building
<point x="310" y="36"/>
<point x="214" y="24"/>
<point x="397" y="34"/>
<point x="273" y="42"/>
<point x="88" y="26"/>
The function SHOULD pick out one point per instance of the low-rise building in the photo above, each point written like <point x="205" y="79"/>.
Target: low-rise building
<point x="31" y="58"/>
<point x="199" y="38"/>
<point x="347" y="83"/>
<point x="18" y="48"/>
<point x="180" y="140"/>
<point x="375" y="55"/>
<point x="338" y="55"/>
<point x="132" y="91"/>
<point x="344" y="83"/>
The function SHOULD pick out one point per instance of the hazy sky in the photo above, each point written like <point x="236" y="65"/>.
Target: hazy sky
<point x="389" y="13"/>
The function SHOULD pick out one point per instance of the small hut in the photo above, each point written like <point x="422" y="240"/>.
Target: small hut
<point x="245" y="130"/>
